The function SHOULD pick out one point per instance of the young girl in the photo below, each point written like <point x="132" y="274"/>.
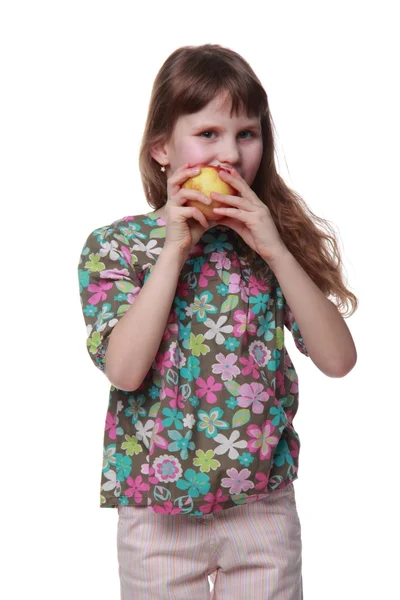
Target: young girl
<point x="185" y="316"/>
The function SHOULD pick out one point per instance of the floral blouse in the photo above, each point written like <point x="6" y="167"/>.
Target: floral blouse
<point x="211" y="425"/>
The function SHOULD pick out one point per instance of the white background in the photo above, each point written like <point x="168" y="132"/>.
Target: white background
<point x="76" y="80"/>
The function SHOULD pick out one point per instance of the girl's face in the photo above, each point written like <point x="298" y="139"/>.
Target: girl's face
<point x="211" y="136"/>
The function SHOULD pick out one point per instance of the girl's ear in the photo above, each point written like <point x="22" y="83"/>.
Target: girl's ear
<point x="159" y="152"/>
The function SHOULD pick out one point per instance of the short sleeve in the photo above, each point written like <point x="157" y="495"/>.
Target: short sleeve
<point x="293" y="327"/>
<point x="109" y="283"/>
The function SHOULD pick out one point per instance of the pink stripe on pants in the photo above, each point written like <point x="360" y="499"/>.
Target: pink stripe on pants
<point x="251" y="551"/>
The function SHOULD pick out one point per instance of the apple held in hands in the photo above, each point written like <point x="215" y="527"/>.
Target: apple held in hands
<point x="208" y="181"/>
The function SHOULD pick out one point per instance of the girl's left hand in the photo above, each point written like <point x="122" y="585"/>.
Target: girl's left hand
<point x="251" y="219"/>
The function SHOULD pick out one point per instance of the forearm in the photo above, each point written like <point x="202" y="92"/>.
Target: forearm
<point x="326" y="336"/>
<point x="135" y="339"/>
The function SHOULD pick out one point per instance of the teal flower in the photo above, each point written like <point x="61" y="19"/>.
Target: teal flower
<point x="260" y="303"/>
<point x="194" y="401"/>
<point x="90" y="310"/>
<point x="282" y="454"/>
<point x="83" y="276"/>
<point x="123" y="466"/>
<point x="181" y="443"/>
<point x="246" y="459"/>
<point x="179" y="309"/>
<point x="211" y="422"/>
<point x="192" y="370"/>
<point x="266" y="324"/>
<point x="173" y="417"/>
<point x="194" y="483"/>
<point x="231" y="343"/>
<point x="120" y="297"/>
<point x="124" y="501"/>
<point x="154" y="392"/>
<point x="135" y="408"/>
<point x="280" y="415"/>
<point x="231" y="402"/>
<point x="184" y="332"/>
<point x="222" y="289"/>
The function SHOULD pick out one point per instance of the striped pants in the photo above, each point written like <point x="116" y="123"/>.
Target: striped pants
<point x="250" y="552"/>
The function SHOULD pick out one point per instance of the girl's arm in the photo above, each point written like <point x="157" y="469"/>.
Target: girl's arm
<point x="135" y="339"/>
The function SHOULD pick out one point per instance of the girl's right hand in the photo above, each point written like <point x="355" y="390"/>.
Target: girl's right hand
<point x="184" y="224"/>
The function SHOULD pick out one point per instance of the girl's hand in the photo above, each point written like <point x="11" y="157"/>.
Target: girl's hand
<point x="250" y="218"/>
<point x="185" y="224"/>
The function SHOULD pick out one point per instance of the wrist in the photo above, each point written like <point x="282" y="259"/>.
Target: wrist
<point x="277" y="257"/>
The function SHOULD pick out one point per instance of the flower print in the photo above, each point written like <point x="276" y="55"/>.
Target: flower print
<point x="178" y="359"/>
<point x="194" y="483"/>
<point x="182" y="289"/>
<point x="192" y="370"/>
<point x="206" y="272"/>
<point x="178" y="400"/>
<point x="250" y="367"/>
<point x="266" y="324"/>
<point x="216" y="330"/>
<point x="99" y="291"/>
<point x="150" y="249"/>
<point x="208" y="388"/>
<point x="109" y="457"/>
<point x="196" y="345"/>
<point x="123" y="466"/>
<point x="216" y="243"/>
<point x="162" y="362"/>
<point x="189" y="421"/>
<point x="111" y="484"/>
<point x="259" y="303"/>
<point x="84" y="278"/>
<point x="245" y="323"/>
<point x="135" y="408"/>
<point x="222" y="289"/>
<point x="231" y="343"/>
<point x="280" y="414"/>
<point x="194" y="401"/>
<point x="93" y="264"/>
<point x="173" y="417"/>
<point x="117" y="274"/>
<point x="231" y="403"/>
<point x="167" y="468"/>
<point x="229" y="444"/>
<point x="221" y="260"/>
<point x="260" y="353"/>
<point x="246" y="459"/>
<point x="201" y="307"/>
<point x="131" y="446"/>
<point x="214" y="502"/>
<point x="156" y="439"/>
<point x="126" y="255"/>
<point x="184" y="332"/>
<point x="238" y="481"/>
<point x="234" y="283"/>
<point x="206" y="461"/>
<point x="295" y="448"/>
<point x="179" y="308"/>
<point x="94" y="342"/>
<point x="167" y="508"/>
<point x="226" y="367"/>
<point x="257" y="285"/>
<point x="282" y="454"/>
<point x="109" y="248"/>
<point x="210" y="422"/>
<point x="181" y="443"/>
<point x="263" y="440"/>
<point x="132" y="230"/>
<point x="111" y="426"/>
<point x="134" y="488"/>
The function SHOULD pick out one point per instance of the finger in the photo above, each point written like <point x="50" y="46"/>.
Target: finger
<point x="237" y="213"/>
<point x="190" y="212"/>
<point x="179" y="177"/>
<point x="183" y="195"/>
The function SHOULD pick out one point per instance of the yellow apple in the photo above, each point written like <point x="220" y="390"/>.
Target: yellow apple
<point x="207" y="181"/>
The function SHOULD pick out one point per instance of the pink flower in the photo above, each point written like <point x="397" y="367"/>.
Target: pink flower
<point x="254" y="395"/>
<point x="136" y="487"/>
<point x="207" y="389"/>
<point x="163" y="361"/>
<point x="263" y="440"/>
<point x="214" y="502"/>
<point x="251" y="367"/>
<point x="111" y="426"/>
<point x="237" y="481"/>
<point x="156" y="439"/>
<point x="167" y="509"/>
<point x="206" y="272"/>
<point x="226" y="367"/>
<point x="100" y="291"/>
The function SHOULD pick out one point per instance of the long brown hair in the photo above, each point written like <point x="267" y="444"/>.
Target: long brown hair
<point x="188" y="80"/>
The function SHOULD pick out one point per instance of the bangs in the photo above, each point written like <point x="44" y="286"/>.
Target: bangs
<point x="206" y="79"/>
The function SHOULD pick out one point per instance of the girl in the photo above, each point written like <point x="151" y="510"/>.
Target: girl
<point x="185" y="316"/>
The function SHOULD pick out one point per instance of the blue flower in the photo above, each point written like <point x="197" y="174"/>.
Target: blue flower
<point x="154" y="392"/>
<point x="90" y="310"/>
<point x="260" y="303"/>
<point x="120" y="297"/>
<point x="282" y="454"/>
<point x="246" y="459"/>
<point x="174" y="416"/>
<point x="222" y="289"/>
<point x="231" y="402"/>
<point x="194" y="401"/>
<point x="231" y="343"/>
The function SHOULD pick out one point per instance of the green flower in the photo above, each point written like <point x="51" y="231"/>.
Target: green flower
<point x="94" y="263"/>
<point x="206" y="461"/>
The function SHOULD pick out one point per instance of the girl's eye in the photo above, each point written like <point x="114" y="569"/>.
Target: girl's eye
<point x="207" y="132"/>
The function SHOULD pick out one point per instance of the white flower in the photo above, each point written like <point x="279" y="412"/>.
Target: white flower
<point x="229" y="444"/>
<point x="215" y="329"/>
